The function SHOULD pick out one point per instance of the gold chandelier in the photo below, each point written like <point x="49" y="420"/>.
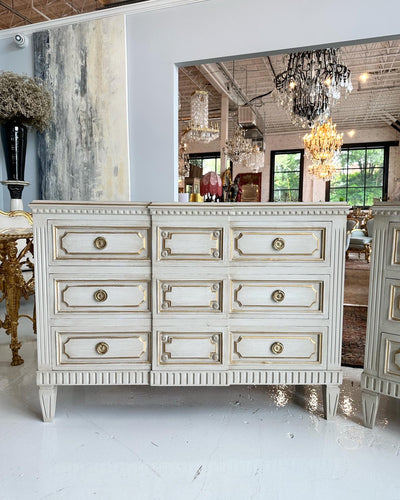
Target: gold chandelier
<point x="322" y="146"/>
<point x="238" y="148"/>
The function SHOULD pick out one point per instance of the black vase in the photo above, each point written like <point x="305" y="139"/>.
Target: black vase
<point x="14" y="136"/>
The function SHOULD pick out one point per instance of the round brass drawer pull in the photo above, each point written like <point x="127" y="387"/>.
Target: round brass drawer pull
<point x="100" y="295"/>
<point x="102" y="348"/>
<point x="100" y="243"/>
<point x="278" y="244"/>
<point x="278" y="295"/>
<point x="277" y="348"/>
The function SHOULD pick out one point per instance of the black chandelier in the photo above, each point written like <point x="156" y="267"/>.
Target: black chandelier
<point x="311" y="85"/>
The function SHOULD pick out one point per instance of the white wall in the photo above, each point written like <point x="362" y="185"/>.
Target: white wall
<point x="216" y="29"/>
<point x="157" y="40"/>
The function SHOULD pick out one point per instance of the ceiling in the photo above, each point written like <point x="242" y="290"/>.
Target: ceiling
<point x="14" y="13"/>
<point x="373" y="103"/>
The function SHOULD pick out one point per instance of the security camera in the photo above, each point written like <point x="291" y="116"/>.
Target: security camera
<point x="20" y="40"/>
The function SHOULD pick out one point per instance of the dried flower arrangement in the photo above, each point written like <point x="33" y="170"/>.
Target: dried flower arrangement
<point x="25" y="100"/>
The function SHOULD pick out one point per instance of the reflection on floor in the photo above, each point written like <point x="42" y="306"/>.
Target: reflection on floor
<point x="240" y="442"/>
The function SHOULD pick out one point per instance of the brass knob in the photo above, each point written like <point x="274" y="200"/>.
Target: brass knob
<point x="278" y="244"/>
<point x="278" y="295"/>
<point x="100" y="295"/>
<point x="100" y="243"/>
<point x="102" y="348"/>
<point x="277" y="348"/>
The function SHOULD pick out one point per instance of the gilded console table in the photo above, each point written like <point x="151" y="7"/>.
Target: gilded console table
<point x="12" y="283"/>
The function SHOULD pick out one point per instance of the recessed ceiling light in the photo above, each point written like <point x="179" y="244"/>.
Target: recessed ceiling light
<point x="351" y="133"/>
<point x="364" y="77"/>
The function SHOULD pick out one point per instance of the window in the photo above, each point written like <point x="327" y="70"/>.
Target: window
<point x="287" y="175"/>
<point x="209" y="162"/>
<point x="362" y="175"/>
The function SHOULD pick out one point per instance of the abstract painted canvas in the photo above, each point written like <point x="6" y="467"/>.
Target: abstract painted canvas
<point x="84" y="154"/>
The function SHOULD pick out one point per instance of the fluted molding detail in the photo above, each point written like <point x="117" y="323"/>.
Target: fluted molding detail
<point x="376" y="285"/>
<point x="337" y="290"/>
<point x="41" y="297"/>
<point x="95" y="210"/>
<point x="381" y="386"/>
<point x="92" y="377"/>
<point x="286" y="377"/>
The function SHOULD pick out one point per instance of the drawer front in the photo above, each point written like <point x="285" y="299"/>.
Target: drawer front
<point x="394" y="300"/>
<point x="395" y="261"/>
<point x="191" y="348"/>
<point x="390" y="357"/>
<point x="276" y="348"/>
<point x="278" y="245"/>
<point x="95" y="348"/>
<point x="284" y="296"/>
<point x="84" y="296"/>
<point x="99" y="243"/>
<point x="190" y="296"/>
<point x="190" y="243"/>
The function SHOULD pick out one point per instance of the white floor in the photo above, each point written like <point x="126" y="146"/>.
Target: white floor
<point x="230" y="443"/>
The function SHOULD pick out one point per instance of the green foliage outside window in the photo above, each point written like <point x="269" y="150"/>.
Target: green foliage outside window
<point x="360" y="177"/>
<point x="287" y="176"/>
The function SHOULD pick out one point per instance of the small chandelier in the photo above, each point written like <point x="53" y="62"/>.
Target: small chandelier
<point x="199" y="130"/>
<point x="253" y="161"/>
<point x="322" y="146"/>
<point x="311" y="85"/>
<point x="183" y="161"/>
<point x="238" y="148"/>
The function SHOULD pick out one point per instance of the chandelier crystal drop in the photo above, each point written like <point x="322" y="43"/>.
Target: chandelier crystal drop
<point x="238" y="148"/>
<point x="199" y="130"/>
<point x="311" y="85"/>
<point x="322" y="146"/>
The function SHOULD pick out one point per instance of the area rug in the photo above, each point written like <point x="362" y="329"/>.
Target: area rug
<point x="354" y="331"/>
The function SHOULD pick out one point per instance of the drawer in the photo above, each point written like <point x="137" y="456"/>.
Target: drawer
<point x="194" y="296"/>
<point x="198" y="243"/>
<point x="100" y="243"/>
<point x="118" y="296"/>
<point x="280" y="348"/>
<point x="287" y="296"/>
<point x="394" y="300"/>
<point x="95" y="348"/>
<point x="291" y="244"/>
<point x="395" y="230"/>
<point x="390" y="357"/>
<point x="189" y="348"/>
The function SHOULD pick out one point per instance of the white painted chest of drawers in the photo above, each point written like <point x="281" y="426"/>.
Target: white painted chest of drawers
<point x="188" y="294"/>
<point x="381" y="373"/>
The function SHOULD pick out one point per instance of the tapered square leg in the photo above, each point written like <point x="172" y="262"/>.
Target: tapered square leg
<point x="331" y="400"/>
<point x="370" y="403"/>
<point x="48" y="399"/>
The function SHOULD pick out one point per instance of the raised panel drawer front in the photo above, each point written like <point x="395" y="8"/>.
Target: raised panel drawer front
<point x="83" y="296"/>
<point x="394" y="301"/>
<point x="279" y="348"/>
<point x="88" y="243"/>
<point x="288" y="296"/>
<point x="390" y="357"/>
<point x="396" y="245"/>
<point x="292" y="244"/>
<point x="193" y="296"/>
<point x="195" y="243"/>
<point x="94" y="348"/>
<point x="193" y="348"/>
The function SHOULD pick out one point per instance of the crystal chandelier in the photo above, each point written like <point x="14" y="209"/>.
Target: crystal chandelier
<point x="199" y="130"/>
<point x="254" y="160"/>
<point x="238" y="148"/>
<point x="183" y="161"/>
<point x="322" y="146"/>
<point x="312" y="84"/>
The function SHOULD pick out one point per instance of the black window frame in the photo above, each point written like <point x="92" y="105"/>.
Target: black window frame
<point x="272" y="170"/>
<point x="366" y="146"/>
<point x="205" y="156"/>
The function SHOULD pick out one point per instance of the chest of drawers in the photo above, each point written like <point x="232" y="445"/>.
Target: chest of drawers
<point x="381" y="373"/>
<point x="188" y="294"/>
